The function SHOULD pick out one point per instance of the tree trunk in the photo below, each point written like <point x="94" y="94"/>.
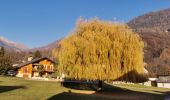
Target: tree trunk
<point x="100" y="85"/>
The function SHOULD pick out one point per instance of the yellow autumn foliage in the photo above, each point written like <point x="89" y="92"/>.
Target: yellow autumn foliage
<point x="100" y="50"/>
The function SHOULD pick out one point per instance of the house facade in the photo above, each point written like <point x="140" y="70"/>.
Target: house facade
<point x="163" y="81"/>
<point x="40" y="67"/>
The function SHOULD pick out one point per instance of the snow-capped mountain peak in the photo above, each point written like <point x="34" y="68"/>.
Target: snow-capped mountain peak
<point x="11" y="45"/>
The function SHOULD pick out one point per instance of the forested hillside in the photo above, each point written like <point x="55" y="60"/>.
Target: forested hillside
<point x="154" y="28"/>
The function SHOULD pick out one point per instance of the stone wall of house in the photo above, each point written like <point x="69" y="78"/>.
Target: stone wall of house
<point x="164" y="85"/>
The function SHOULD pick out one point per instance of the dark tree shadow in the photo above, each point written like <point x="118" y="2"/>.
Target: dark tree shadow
<point x="133" y="76"/>
<point x="109" y="92"/>
<point x="10" y="88"/>
<point x="76" y="96"/>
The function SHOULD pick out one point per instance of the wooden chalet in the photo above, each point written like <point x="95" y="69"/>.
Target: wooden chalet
<point x="31" y="68"/>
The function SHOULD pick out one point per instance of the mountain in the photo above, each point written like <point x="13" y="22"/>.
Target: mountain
<point x="10" y="45"/>
<point x="158" y="21"/>
<point x="47" y="47"/>
<point x="47" y="50"/>
<point x="154" y="29"/>
<point x="13" y="47"/>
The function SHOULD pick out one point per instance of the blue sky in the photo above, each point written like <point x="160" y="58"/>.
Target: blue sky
<point x="39" y="22"/>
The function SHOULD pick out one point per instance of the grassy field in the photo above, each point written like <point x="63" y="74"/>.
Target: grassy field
<point x="21" y="89"/>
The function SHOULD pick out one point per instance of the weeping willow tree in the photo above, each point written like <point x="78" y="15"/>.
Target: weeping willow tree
<point x="100" y="50"/>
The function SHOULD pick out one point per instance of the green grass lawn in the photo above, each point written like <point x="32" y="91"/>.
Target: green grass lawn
<point x="21" y="89"/>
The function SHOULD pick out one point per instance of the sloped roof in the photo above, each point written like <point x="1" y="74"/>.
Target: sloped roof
<point x="33" y="61"/>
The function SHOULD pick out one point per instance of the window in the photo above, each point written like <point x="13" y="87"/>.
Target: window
<point x="26" y="70"/>
<point x="51" y="67"/>
<point x="45" y="67"/>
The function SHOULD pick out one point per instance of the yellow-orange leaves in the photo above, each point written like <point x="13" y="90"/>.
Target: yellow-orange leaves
<point x="100" y="50"/>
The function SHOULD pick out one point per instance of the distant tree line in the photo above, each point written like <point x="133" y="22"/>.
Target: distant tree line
<point x="37" y="54"/>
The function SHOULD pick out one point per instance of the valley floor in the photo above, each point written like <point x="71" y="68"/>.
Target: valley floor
<point x="21" y="89"/>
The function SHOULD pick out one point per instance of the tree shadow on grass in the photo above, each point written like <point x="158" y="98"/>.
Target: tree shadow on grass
<point x="77" y="96"/>
<point x="120" y="93"/>
<point x="10" y="88"/>
<point x="111" y="93"/>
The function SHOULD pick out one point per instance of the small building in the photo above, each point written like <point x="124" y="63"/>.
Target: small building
<point x="163" y="81"/>
<point x="40" y="67"/>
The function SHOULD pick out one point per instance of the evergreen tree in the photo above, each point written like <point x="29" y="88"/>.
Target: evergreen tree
<point x="2" y="51"/>
<point x="5" y="65"/>
<point x="37" y="54"/>
<point x="100" y="50"/>
<point x="5" y="62"/>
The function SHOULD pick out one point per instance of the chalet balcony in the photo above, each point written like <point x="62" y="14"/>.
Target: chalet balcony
<point x="45" y="68"/>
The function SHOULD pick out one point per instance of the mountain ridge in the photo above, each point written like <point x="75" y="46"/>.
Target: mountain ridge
<point x="49" y="46"/>
<point x="12" y="45"/>
<point x="154" y="29"/>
